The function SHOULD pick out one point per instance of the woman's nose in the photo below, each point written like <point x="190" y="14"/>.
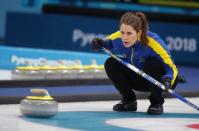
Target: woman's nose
<point x="125" y="37"/>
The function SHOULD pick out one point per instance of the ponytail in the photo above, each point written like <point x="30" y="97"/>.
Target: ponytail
<point x="144" y="27"/>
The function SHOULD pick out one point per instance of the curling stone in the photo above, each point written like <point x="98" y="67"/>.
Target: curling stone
<point x="40" y="105"/>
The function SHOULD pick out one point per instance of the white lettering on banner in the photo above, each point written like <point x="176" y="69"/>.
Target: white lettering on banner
<point x="182" y="44"/>
<point x="84" y="38"/>
<point x="42" y="61"/>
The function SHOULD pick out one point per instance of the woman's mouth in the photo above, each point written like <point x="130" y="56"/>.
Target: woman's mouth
<point x="126" y="43"/>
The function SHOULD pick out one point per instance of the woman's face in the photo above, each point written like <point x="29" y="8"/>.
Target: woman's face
<point x="129" y="35"/>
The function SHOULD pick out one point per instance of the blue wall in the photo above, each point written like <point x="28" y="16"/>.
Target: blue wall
<point x="55" y="31"/>
<point x="16" y="6"/>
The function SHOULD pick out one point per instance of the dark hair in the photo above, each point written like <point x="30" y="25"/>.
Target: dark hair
<point x="138" y="21"/>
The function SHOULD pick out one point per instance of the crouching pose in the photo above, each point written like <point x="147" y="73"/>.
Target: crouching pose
<point x="145" y="50"/>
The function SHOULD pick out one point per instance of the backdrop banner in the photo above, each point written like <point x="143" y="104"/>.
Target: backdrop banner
<point x="11" y="57"/>
<point x="74" y="33"/>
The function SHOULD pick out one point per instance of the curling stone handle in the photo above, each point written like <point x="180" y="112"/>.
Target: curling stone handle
<point x="40" y="91"/>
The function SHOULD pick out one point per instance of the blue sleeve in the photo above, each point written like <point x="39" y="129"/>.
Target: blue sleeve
<point x="108" y="44"/>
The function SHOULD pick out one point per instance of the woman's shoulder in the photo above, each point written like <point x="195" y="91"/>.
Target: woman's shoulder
<point x="154" y="38"/>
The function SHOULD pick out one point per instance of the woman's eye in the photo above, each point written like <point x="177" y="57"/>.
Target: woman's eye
<point x="129" y="33"/>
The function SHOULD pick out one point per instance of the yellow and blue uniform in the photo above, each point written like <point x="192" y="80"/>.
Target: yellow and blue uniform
<point x="138" y="53"/>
